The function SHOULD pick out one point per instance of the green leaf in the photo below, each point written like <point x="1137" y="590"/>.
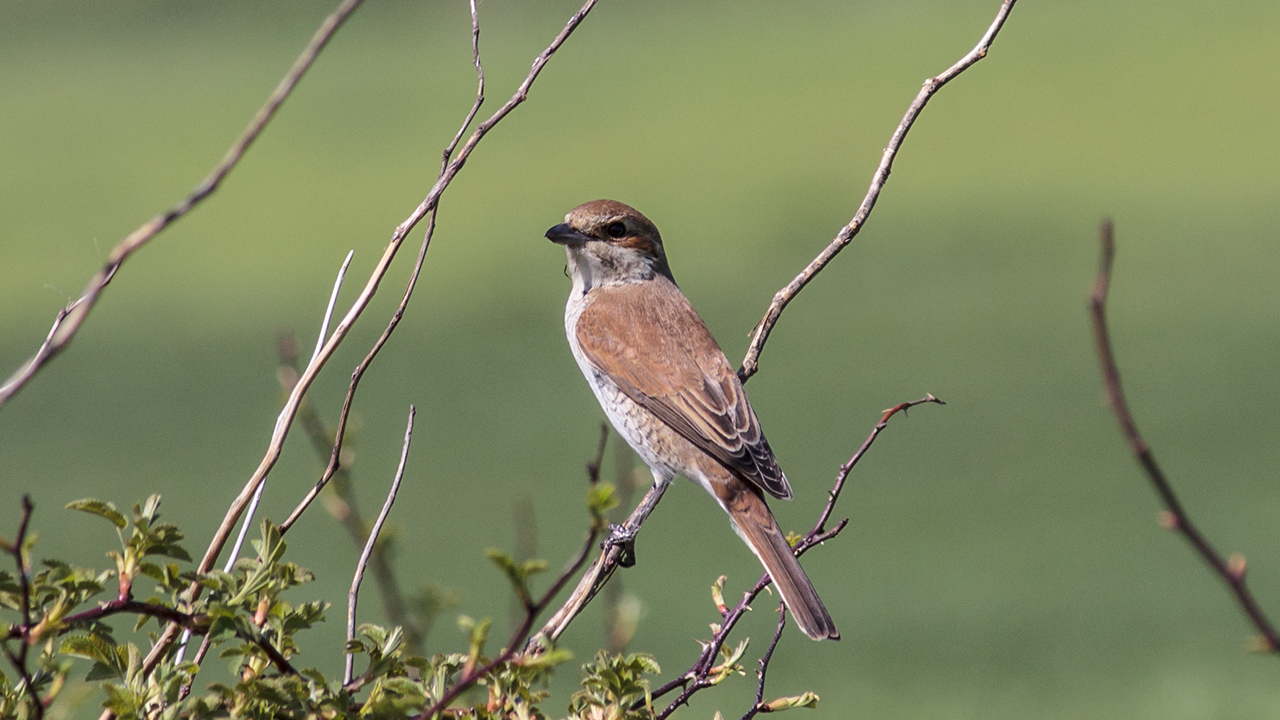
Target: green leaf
<point x="613" y="685"/>
<point x="804" y="700"/>
<point x="101" y="508"/>
<point x="148" y="511"/>
<point x="110" y="661"/>
<point x="90" y="647"/>
<point x="547" y="659"/>
<point x="601" y="498"/>
<point x="123" y="701"/>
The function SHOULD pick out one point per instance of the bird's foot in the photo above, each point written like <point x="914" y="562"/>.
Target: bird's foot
<point x="625" y="539"/>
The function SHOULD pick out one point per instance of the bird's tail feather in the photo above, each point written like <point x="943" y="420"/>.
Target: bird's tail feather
<point x="755" y="524"/>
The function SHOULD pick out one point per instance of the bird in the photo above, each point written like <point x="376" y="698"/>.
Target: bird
<point x="668" y="389"/>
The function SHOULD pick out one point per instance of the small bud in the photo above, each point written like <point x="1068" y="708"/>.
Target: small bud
<point x="1236" y="566"/>
<point x="717" y="595"/>
<point x="807" y="700"/>
<point x="1167" y="520"/>
<point x="260" y="617"/>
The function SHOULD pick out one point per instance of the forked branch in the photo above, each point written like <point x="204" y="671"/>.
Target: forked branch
<point x="750" y="364"/>
<point x="532" y="609"/>
<point x="698" y="677"/>
<point x="308" y="375"/>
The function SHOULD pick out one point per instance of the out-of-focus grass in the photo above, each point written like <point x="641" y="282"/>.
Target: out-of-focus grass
<point x="1002" y="559"/>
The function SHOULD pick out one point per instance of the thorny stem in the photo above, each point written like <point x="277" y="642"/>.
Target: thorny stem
<point x="758" y="706"/>
<point x="696" y="677"/>
<point x="23" y="563"/>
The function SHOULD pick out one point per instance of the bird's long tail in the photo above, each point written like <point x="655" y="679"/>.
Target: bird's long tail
<point x="756" y="526"/>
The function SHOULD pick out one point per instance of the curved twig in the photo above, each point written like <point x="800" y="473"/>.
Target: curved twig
<point x="427" y="206"/>
<point x="696" y="677"/>
<point x="114" y="607"/>
<point x="1231" y="571"/>
<point x="758" y="706"/>
<point x="750" y="364"/>
<point x="69" y="319"/>
<point x="354" y="594"/>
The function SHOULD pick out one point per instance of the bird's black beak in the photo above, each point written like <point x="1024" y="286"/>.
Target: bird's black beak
<point x="564" y="234"/>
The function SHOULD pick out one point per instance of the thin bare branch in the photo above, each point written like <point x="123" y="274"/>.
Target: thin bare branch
<point x="344" y="507"/>
<point x="847" y="467"/>
<point x="335" y="454"/>
<point x="426" y="207"/>
<point x="750" y="364"/>
<point x="69" y="319"/>
<point x="475" y="106"/>
<point x="333" y="301"/>
<point x="696" y="678"/>
<point x="1231" y="571"/>
<point x="759" y="706"/>
<point x="601" y="570"/>
<point x="354" y="595"/>
<point x="593" y="467"/>
<point x="517" y="641"/>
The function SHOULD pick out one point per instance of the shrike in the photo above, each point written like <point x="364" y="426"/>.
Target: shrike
<point x="668" y="389"/>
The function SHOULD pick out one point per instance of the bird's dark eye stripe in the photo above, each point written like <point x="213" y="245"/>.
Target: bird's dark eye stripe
<point x="616" y="229"/>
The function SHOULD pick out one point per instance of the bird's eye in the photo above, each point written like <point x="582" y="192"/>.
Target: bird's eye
<point x="616" y="229"/>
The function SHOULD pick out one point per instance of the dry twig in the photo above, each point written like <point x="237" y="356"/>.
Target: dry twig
<point x="354" y="595"/>
<point x="1231" y="571"/>
<point x="697" y="677"/>
<point x="425" y="208"/>
<point x="70" y="318"/>
<point x="521" y="635"/>
<point x="760" y="335"/>
<point x="600" y="572"/>
<point x="119" y="606"/>
<point x="343" y="507"/>
<point x="758" y="706"/>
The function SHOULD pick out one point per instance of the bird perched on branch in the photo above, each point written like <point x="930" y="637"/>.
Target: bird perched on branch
<point x="668" y="389"/>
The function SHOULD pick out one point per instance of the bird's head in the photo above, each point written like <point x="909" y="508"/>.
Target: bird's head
<point x="609" y="242"/>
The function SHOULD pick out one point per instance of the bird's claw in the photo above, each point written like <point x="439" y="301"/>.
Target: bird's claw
<point x="625" y="539"/>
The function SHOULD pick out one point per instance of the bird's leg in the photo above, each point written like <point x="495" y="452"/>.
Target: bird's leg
<point x="624" y="536"/>
<point x="600" y="571"/>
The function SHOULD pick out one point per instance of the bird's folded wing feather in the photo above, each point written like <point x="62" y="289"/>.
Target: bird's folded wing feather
<point x="657" y="350"/>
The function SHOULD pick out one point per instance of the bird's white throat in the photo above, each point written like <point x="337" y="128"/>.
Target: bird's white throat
<point x="601" y="264"/>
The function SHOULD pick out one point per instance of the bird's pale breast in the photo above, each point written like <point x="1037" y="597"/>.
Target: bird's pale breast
<point x="657" y="445"/>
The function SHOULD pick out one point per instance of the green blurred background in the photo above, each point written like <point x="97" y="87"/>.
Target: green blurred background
<point x="1002" y="560"/>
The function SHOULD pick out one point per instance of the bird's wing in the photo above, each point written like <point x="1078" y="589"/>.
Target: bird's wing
<point x="651" y="343"/>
